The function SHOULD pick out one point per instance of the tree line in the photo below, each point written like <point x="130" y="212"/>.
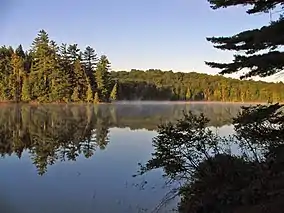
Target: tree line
<point x="52" y="73"/>
<point x="48" y="72"/>
<point x="155" y="84"/>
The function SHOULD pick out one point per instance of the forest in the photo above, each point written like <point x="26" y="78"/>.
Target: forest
<point x="49" y="72"/>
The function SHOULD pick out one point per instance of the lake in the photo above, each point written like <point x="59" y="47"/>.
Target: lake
<point x="81" y="158"/>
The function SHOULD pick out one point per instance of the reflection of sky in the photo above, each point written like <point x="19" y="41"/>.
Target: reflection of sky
<point x="100" y="184"/>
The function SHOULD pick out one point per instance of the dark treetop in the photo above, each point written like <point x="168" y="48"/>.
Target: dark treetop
<point x="268" y="39"/>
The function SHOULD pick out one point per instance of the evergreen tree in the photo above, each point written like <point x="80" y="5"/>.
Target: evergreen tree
<point x="90" y="61"/>
<point x="251" y="42"/>
<point x="73" y="55"/>
<point x="96" y="98"/>
<point x="73" y="52"/>
<point x="59" y="87"/>
<point x="113" y="94"/>
<point x="20" y="52"/>
<point x="42" y="67"/>
<point x="26" y="96"/>
<point x="6" y="70"/>
<point x="16" y="77"/>
<point x="81" y="80"/>
<point x="89" y="95"/>
<point x="66" y="70"/>
<point x="103" y="77"/>
<point x="75" y="96"/>
<point x="28" y="62"/>
<point x="58" y="78"/>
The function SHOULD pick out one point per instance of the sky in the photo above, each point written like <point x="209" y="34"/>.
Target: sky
<point x="134" y="34"/>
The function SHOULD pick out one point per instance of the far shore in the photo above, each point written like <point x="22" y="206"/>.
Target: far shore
<point x="139" y="102"/>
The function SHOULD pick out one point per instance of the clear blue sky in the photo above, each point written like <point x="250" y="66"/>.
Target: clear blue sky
<point x="141" y="34"/>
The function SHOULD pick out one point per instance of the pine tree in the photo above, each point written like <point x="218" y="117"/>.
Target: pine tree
<point x="16" y="77"/>
<point x="6" y="70"/>
<point x="20" y="52"/>
<point x="103" y="77"/>
<point x="26" y="96"/>
<point x="65" y="66"/>
<point x="90" y="60"/>
<point x="73" y="52"/>
<point x="42" y="66"/>
<point x="96" y="98"/>
<point x="75" y="96"/>
<point x="58" y="79"/>
<point x="81" y="80"/>
<point x="113" y="94"/>
<point x="250" y="42"/>
<point x="89" y="95"/>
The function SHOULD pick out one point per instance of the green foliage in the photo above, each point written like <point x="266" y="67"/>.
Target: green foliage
<point x="42" y="66"/>
<point x="26" y="90"/>
<point x="90" y="61"/>
<point x="16" y="77"/>
<point x="81" y="81"/>
<point x="96" y="98"/>
<point x="55" y="74"/>
<point x="75" y="96"/>
<point x="268" y="38"/>
<point x="113" y="94"/>
<point x="166" y="85"/>
<point x="103" y="78"/>
<point x="89" y="95"/>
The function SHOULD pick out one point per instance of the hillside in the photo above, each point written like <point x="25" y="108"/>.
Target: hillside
<point x="167" y="85"/>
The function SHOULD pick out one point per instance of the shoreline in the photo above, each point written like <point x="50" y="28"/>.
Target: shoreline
<point x="137" y="102"/>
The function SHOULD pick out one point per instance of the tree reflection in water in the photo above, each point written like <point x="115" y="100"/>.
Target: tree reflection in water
<point x="52" y="133"/>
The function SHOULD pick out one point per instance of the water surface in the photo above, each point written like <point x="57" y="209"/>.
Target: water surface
<point x="81" y="158"/>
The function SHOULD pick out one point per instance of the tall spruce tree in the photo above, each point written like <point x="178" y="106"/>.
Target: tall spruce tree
<point x="75" y="95"/>
<point x="26" y="90"/>
<point x="73" y="53"/>
<point x="58" y="78"/>
<point x="81" y="80"/>
<point x="16" y="77"/>
<point x="6" y="70"/>
<point x="20" y="52"/>
<point x="96" y="98"/>
<point x="268" y="39"/>
<point x="103" y="78"/>
<point x="66" y="70"/>
<point x="90" y="60"/>
<point x="89" y="94"/>
<point x="42" y="66"/>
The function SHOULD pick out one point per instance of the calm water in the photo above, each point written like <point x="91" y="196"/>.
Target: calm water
<point x="81" y="158"/>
